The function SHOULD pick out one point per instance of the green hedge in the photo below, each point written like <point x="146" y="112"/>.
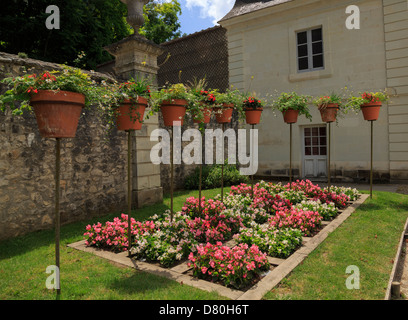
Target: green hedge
<point x="211" y="177"/>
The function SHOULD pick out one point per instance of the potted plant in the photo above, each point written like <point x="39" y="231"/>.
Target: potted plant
<point x="226" y="103"/>
<point x="129" y="102"/>
<point x="369" y="103"/>
<point x="328" y="106"/>
<point x="56" y="97"/>
<point x="291" y="105"/>
<point x="201" y="107"/>
<point x="172" y="101"/>
<point x="253" y="109"/>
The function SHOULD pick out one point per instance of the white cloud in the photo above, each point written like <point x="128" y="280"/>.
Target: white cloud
<point x="214" y="9"/>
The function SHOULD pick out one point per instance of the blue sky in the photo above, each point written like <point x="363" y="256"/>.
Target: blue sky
<point x="198" y="15"/>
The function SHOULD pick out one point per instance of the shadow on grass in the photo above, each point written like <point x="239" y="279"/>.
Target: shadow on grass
<point x="140" y="283"/>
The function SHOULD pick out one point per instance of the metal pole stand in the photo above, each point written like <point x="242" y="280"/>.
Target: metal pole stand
<point x="328" y="160"/>
<point x="57" y="213"/>
<point x="222" y="166"/>
<point x="252" y="154"/>
<point x="171" y="176"/>
<point x="129" y="189"/>
<point x="290" y="157"/>
<point x="201" y="172"/>
<point x="371" y="162"/>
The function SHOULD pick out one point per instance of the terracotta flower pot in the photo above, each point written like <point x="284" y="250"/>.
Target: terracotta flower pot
<point x="329" y="112"/>
<point x="207" y="116"/>
<point x="57" y="113"/>
<point x="290" y="115"/>
<point x="173" y="110"/>
<point x="130" y="116"/>
<point x="224" y="115"/>
<point x="371" y="111"/>
<point x="253" y="116"/>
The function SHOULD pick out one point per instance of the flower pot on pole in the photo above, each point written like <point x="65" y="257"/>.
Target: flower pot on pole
<point x="173" y="111"/>
<point x="223" y="115"/>
<point x="253" y="116"/>
<point x="290" y="115"/>
<point x="329" y="112"/>
<point x="371" y="111"/>
<point x="57" y="115"/>
<point x="130" y="114"/>
<point x="129" y="118"/>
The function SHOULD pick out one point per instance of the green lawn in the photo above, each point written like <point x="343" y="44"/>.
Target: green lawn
<point x="368" y="239"/>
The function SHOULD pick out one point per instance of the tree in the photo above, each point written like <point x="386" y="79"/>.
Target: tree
<point x="86" y="26"/>
<point x="161" y="21"/>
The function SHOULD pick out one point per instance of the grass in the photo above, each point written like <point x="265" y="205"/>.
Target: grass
<point x="368" y="239"/>
<point x="23" y="263"/>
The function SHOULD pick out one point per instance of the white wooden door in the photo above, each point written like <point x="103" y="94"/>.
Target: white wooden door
<point x="314" y="152"/>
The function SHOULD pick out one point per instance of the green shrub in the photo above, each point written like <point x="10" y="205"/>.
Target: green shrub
<point x="211" y="177"/>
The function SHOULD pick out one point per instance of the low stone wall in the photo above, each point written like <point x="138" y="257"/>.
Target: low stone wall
<point x="93" y="167"/>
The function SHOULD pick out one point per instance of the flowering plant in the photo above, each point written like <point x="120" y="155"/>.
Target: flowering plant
<point x="114" y="235"/>
<point x="355" y="102"/>
<point x="327" y="210"/>
<point x="279" y="243"/>
<point x="252" y="103"/>
<point x="170" y="93"/>
<point x="68" y="79"/>
<point x="116" y="94"/>
<point x="168" y="243"/>
<point x="235" y="267"/>
<point x="323" y="101"/>
<point x="308" y="222"/>
<point x="293" y="101"/>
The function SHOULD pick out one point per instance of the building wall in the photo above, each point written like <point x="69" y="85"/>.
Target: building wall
<point x="262" y="45"/>
<point x="396" y="44"/>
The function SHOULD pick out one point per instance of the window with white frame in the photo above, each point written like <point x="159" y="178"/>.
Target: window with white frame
<point x="310" y="50"/>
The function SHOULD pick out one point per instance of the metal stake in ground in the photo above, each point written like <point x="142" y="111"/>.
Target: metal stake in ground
<point x="371" y="162"/>
<point x="129" y="189"/>
<point x="57" y="212"/>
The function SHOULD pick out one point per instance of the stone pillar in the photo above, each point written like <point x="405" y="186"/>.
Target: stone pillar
<point x="137" y="57"/>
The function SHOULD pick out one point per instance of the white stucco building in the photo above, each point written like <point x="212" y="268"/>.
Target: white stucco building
<point x="305" y="46"/>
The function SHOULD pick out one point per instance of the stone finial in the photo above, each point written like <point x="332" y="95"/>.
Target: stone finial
<point x="135" y="13"/>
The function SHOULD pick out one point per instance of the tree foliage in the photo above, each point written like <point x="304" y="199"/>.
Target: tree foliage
<point x="86" y="26"/>
<point x="161" y="21"/>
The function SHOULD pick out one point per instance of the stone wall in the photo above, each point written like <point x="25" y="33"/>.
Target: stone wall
<point x="93" y="167"/>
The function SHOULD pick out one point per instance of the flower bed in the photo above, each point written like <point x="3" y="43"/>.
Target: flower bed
<point x="236" y="267"/>
<point x="272" y="223"/>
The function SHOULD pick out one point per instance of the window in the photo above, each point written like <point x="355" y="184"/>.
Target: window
<point x="310" y="50"/>
<point x="315" y="141"/>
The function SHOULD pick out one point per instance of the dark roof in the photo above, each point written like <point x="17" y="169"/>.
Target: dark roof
<point x="247" y="6"/>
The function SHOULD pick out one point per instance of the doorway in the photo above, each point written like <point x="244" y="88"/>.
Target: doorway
<point x="314" y="152"/>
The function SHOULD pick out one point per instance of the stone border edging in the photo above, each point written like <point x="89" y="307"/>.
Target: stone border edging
<point x="282" y="266"/>
<point x="396" y="262"/>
